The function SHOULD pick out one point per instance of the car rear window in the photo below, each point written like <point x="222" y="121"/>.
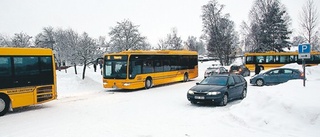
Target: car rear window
<point x="287" y="71"/>
<point x="234" y="68"/>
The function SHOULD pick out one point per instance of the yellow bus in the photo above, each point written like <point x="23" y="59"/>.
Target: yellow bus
<point x="267" y="60"/>
<point x="144" y="69"/>
<point x="27" y="77"/>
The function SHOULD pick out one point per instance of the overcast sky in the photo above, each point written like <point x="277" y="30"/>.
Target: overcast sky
<point x="156" y="18"/>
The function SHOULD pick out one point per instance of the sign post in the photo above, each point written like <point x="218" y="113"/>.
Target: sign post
<point x="304" y="53"/>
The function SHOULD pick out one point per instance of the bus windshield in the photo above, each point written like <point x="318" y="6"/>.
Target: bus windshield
<point x="115" y="68"/>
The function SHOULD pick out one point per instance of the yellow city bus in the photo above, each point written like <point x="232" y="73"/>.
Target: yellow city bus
<point x="267" y="60"/>
<point x="27" y="77"/>
<point x="144" y="69"/>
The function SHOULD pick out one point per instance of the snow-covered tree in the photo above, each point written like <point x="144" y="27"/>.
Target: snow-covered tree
<point x="298" y="40"/>
<point x="21" y="40"/>
<point x="195" y="45"/>
<point x="172" y="41"/>
<point x="86" y="51"/>
<point x="5" y="41"/>
<point x="218" y="31"/>
<point x="72" y="42"/>
<point x="309" y="20"/>
<point x="126" y="36"/>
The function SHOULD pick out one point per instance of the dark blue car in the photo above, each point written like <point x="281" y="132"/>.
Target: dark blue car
<point x="276" y="76"/>
<point x="218" y="89"/>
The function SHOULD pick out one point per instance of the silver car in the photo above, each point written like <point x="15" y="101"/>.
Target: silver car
<point x="215" y="70"/>
<point x="276" y="76"/>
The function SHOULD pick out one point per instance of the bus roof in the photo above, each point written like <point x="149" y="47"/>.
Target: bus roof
<point x="156" y="52"/>
<point x="25" y="51"/>
<point x="277" y="53"/>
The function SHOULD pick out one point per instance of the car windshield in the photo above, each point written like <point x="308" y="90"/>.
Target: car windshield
<point x="215" y="80"/>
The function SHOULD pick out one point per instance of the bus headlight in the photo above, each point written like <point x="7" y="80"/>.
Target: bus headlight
<point x="126" y="84"/>
<point x="105" y="83"/>
<point x="213" y="93"/>
<point x="190" y="92"/>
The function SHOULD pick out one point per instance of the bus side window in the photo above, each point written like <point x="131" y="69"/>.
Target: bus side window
<point x="166" y="65"/>
<point x="260" y="59"/>
<point x="249" y="59"/>
<point x="284" y="59"/>
<point x="5" y="66"/>
<point x="147" y="67"/>
<point x="135" y="68"/>
<point x="158" y="67"/>
<point x="269" y="59"/>
<point x="6" y="73"/>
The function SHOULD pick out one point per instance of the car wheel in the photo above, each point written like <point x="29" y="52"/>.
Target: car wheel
<point x="4" y="105"/>
<point x="186" y="78"/>
<point x="148" y="83"/>
<point x="224" y="100"/>
<point x="260" y="82"/>
<point x="244" y="93"/>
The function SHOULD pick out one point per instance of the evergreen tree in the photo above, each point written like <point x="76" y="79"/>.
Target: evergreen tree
<point x="269" y="26"/>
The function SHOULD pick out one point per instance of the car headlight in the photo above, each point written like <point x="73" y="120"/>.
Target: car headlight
<point x="213" y="93"/>
<point x="190" y="92"/>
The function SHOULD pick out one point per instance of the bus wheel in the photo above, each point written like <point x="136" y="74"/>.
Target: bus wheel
<point x="148" y="83"/>
<point x="4" y="105"/>
<point x="186" y="77"/>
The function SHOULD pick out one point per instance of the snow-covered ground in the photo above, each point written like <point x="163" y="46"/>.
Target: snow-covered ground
<point x="85" y="109"/>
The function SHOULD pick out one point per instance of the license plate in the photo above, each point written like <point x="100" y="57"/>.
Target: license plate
<point x="199" y="97"/>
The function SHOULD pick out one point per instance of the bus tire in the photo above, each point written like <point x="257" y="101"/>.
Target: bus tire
<point x="148" y="83"/>
<point x="185" y="77"/>
<point x="4" y="104"/>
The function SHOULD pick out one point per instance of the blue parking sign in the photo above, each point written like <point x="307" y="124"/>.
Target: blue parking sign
<point x="304" y="51"/>
<point x="304" y="48"/>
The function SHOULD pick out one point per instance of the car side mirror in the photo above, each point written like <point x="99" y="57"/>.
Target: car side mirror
<point x="197" y="83"/>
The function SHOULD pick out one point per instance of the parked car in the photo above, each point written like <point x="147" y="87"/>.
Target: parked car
<point x="218" y="89"/>
<point x="276" y="76"/>
<point x="239" y="69"/>
<point x="215" y="70"/>
<point x="216" y="64"/>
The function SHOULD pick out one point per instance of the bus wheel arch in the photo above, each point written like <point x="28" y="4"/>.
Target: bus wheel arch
<point x="148" y="82"/>
<point x="185" y="77"/>
<point x="4" y="104"/>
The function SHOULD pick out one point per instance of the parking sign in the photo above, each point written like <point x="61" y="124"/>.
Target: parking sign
<point x="304" y="51"/>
